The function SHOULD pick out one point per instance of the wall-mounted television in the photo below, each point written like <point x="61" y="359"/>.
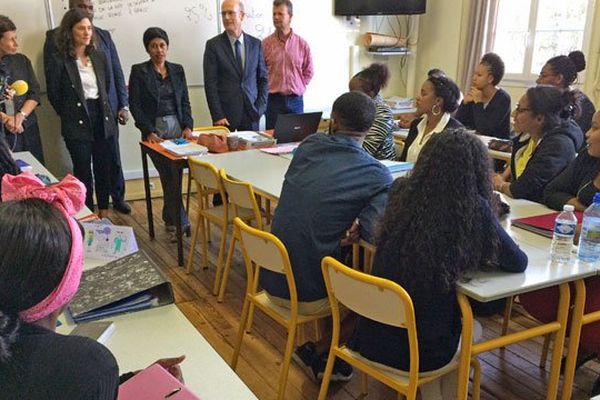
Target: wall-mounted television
<point x="379" y="7"/>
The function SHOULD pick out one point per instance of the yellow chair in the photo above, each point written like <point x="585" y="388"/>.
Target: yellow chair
<point x="208" y="182"/>
<point x="264" y="250"/>
<point x="386" y="302"/>
<point x="368" y="255"/>
<point x="242" y="200"/>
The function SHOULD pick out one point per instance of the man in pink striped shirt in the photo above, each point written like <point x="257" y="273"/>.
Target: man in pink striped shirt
<point x="290" y="65"/>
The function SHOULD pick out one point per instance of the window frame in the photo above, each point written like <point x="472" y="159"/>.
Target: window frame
<point x="526" y="79"/>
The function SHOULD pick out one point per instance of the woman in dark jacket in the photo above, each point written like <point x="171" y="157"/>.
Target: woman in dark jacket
<point x="435" y="103"/>
<point x="449" y="192"/>
<point x="548" y="141"/>
<point x="160" y="105"/>
<point x="561" y="71"/>
<point x="20" y="126"/>
<point x="77" y="80"/>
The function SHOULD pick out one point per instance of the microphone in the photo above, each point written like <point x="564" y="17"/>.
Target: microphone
<point x="19" y="88"/>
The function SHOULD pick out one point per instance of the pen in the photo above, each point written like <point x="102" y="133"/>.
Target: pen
<point x="173" y="393"/>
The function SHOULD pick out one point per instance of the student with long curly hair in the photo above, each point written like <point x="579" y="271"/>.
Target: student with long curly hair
<point x="439" y="227"/>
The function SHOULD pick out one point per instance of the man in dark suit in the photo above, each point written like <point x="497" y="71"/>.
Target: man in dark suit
<point x="235" y="73"/>
<point x="117" y="96"/>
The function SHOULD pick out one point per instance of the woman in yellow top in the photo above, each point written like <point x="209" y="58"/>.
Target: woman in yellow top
<point x="548" y="140"/>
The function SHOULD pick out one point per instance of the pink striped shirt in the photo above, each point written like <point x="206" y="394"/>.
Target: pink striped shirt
<point x="289" y="63"/>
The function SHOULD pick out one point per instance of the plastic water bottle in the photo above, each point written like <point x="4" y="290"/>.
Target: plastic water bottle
<point x="564" y="232"/>
<point x="589" y="243"/>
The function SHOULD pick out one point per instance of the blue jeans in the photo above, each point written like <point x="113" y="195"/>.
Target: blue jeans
<point x="281" y="104"/>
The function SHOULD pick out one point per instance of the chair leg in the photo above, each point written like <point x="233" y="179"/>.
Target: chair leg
<point x="368" y="261"/>
<point x="240" y="334"/>
<point x="225" y="277"/>
<point x="507" y="312"/>
<point x="189" y="191"/>
<point x="355" y="256"/>
<point x="268" y="211"/>
<point x="193" y="245"/>
<point x="545" y="349"/>
<point x="251" y="314"/>
<point x="317" y="330"/>
<point x="204" y="239"/>
<point x="300" y="334"/>
<point x="476" y="392"/>
<point x="287" y="358"/>
<point x="364" y="383"/>
<point x="220" y="260"/>
<point x="327" y="376"/>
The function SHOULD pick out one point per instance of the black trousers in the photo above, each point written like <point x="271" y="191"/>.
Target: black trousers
<point x="101" y="152"/>
<point x="117" y="181"/>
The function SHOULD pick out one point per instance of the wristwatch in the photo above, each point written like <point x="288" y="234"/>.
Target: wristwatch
<point x="24" y="114"/>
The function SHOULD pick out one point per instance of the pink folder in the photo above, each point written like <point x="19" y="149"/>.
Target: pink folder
<point x="154" y="383"/>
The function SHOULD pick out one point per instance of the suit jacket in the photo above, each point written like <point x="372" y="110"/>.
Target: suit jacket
<point x="117" y="91"/>
<point x="413" y="132"/>
<point x="144" y="96"/>
<point x="65" y="93"/>
<point x="230" y="93"/>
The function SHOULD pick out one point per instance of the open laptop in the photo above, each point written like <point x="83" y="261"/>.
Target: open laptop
<point x="295" y="127"/>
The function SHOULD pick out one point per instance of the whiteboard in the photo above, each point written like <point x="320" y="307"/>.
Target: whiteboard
<point x="259" y="18"/>
<point x="189" y="24"/>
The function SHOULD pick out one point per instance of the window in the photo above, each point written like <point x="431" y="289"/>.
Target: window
<point x="529" y="32"/>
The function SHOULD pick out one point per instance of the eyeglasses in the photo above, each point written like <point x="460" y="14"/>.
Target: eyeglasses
<point x="519" y="109"/>
<point x="229" y="13"/>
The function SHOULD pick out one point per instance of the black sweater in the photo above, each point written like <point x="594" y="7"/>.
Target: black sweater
<point x="587" y="113"/>
<point x="554" y="152"/>
<point x="47" y="365"/>
<point x="437" y="312"/>
<point x="577" y="180"/>
<point x="493" y="120"/>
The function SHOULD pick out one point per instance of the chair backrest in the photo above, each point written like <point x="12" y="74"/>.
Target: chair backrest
<point x="372" y="297"/>
<point x="266" y="251"/>
<point x="206" y="176"/>
<point x="241" y="194"/>
<point x="219" y="129"/>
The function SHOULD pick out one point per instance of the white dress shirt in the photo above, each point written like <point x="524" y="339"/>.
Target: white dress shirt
<point x="421" y="139"/>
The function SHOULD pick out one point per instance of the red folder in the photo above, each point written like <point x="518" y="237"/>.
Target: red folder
<point x="154" y="383"/>
<point x="541" y="224"/>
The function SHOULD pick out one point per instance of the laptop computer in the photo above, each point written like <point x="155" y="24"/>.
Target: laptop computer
<point x="295" y="127"/>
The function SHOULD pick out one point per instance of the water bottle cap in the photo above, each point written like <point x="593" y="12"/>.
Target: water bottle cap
<point x="569" y="207"/>
<point x="597" y="197"/>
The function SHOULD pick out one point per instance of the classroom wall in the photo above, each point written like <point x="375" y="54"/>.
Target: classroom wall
<point x="337" y="54"/>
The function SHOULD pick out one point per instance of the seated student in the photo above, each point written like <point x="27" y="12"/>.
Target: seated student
<point x="561" y="71"/>
<point x="380" y="140"/>
<point x="548" y="140"/>
<point x="437" y="100"/>
<point x="40" y="270"/>
<point x="576" y="185"/>
<point x="330" y="183"/>
<point x="486" y="107"/>
<point x="439" y="227"/>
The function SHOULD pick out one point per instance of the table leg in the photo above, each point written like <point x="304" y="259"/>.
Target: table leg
<point x="147" y="191"/>
<point x="176" y="178"/>
<point x="559" y="340"/>
<point x="574" y="335"/>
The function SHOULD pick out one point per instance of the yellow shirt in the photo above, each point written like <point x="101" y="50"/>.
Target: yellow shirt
<point x="524" y="157"/>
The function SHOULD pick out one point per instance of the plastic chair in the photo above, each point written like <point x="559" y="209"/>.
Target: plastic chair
<point x="209" y="181"/>
<point x="386" y="302"/>
<point x="264" y="250"/>
<point x="242" y="200"/>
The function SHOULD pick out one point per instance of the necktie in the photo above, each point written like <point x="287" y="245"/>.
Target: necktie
<point x="238" y="55"/>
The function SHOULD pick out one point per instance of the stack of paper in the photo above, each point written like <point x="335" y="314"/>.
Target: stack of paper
<point x="397" y="166"/>
<point x="184" y="148"/>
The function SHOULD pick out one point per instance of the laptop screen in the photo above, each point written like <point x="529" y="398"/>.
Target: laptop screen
<point x="295" y="127"/>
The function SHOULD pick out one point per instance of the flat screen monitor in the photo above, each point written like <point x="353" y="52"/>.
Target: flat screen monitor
<point x="379" y="7"/>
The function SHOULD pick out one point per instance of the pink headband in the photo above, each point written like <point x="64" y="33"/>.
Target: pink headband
<point x="68" y="196"/>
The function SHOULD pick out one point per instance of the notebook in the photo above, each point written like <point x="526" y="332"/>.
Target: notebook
<point x="100" y="331"/>
<point x="541" y="224"/>
<point x="128" y="284"/>
<point x="183" y="148"/>
<point x="154" y="383"/>
<point x="295" y="127"/>
<point x="397" y="166"/>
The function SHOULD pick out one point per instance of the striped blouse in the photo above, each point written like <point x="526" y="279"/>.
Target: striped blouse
<point x="380" y="141"/>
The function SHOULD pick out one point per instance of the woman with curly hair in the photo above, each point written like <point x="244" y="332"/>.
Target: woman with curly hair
<point x="379" y="142"/>
<point x="548" y="140"/>
<point x="437" y="100"/>
<point x="439" y="227"/>
<point x="561" y="71"/>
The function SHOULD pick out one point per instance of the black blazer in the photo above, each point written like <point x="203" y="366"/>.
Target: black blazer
<point x="413" y="132"/>
<point x="65" y="93"/>
<point x="144" y="97"/>
<point x="230" y="93"/>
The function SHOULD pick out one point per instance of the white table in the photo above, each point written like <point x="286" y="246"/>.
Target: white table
<point x="142" y="337"/>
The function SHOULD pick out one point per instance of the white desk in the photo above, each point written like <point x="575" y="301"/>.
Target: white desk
<point x="142" y="337"/>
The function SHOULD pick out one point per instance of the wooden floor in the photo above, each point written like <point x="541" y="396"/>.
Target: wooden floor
<point x="512" y="373"/>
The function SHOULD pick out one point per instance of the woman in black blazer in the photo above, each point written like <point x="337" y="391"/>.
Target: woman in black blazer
<point x="77" y="79"/>
<point x="160" y="105"/>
